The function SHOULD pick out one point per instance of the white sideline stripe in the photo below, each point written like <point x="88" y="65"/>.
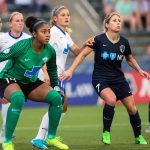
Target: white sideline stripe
<point x="79" y="126"/>
<point x="87" y="19"/>
<point x="90" y="9"/>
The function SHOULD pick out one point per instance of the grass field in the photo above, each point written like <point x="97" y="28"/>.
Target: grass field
<point x="81" y="129"/>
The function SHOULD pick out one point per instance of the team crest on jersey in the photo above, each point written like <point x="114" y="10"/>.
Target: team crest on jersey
<point x="45" y="59"/>
<point x="6" y="51"/>
<point x="122" y="48"/>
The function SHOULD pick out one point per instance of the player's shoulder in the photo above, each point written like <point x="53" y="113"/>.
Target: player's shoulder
<point x="123" y="39"/>
<point x="25" y="35"/>
<point x="23" y="43"/>
<point x="54" y="30"/>
<point x="50" y="48"/>
<point x="1" y="33"/>
<point x="4" y="34"/>
<point x="100" y="36"/>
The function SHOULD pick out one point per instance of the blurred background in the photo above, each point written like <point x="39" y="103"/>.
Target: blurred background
<point x="87" y="20"/>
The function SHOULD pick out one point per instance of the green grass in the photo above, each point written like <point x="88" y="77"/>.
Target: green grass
<point x="81" y="129"/>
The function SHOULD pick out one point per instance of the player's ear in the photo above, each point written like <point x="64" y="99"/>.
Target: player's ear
<point x="106" y="25"/>
<point x="34" y="34"/>
<point x="55" y="18"/>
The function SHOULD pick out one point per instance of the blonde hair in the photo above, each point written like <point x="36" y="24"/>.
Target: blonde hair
<point x="55" y="12"/>
<point x="13" y="14"/>
<point x="107" y="19"/>
<point x="68" y="30"/>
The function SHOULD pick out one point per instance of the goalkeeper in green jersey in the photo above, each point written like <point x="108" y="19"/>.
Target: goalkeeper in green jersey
<point x="19" y="81"/>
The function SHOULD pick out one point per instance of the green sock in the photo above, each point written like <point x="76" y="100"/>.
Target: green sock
<point x="54" y="111"/>
<point x="17" y="100"/>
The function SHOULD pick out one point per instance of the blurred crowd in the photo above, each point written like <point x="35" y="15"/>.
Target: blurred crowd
<point x="135" y="13"/>
<point x="24" y="5"/>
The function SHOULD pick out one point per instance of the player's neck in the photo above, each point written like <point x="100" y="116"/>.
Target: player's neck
<point x="37" y="46"/>
<point x="15" y="34"/>
<point x="62" y="27"/>
<point x="113" y="37"/>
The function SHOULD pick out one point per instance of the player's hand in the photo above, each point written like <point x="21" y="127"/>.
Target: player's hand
<point x="144" y="74"/>
<point x="46" y="78"/>
<point x="4" y="100"/>
<point x="65" y="75"/>
<point x="89" y="42"/>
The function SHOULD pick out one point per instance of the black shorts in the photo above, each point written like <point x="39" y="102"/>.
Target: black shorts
<point x="26" y="88"/>
<point x="121" y="90"/>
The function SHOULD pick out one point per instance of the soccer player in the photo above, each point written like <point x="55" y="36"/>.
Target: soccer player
<point x="108" y="79"/>
<point x="62" y="42"/>
<point x="28" y="56"/>
<point x="16" y="24"/>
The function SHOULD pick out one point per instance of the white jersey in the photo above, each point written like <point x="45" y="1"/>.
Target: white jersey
<point x="1" y="33"/>
<point x="7" y="40"/>
<point x="62" y="42"/>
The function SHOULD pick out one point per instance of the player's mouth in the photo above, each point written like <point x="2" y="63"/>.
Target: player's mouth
<point x="46" y="40"/>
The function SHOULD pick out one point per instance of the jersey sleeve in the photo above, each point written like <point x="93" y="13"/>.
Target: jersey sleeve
<point x="11" y="53"/>
<point x="95" y="44"/>
<point x="52" y="68"/>
<point x="70" y="42"/>
<point x="127" y="48"/>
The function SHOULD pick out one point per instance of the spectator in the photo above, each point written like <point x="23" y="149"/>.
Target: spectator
<point x="142" y="14"/>
<point x="126" y="9"/>
<point x="3" y="7"/>
<point x="109" y="6"/>
<point x="24" y="5"/>
<point x="42" y="6"/>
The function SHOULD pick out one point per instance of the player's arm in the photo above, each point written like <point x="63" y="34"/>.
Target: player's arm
<point x="133" y="63"/>
<point x="46" y="75"/>
<point x="52" y="68"/>
<point x="68" y="73"/>
<point x="12" y="52"/>
<point x="76" y="50"/>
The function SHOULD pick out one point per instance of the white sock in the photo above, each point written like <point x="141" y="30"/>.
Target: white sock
<point x="43" y="127"/>
<point x="4" y="114"/>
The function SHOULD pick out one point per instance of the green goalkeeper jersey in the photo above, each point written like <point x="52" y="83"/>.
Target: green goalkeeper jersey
<point x="24" y="63"/>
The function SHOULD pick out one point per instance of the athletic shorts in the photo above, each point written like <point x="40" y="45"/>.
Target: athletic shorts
<point x="62" y="86"/>
<point x="121" y="90"/>
<point x="26" y="88"/>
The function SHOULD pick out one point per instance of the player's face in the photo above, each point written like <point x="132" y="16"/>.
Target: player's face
<point x="114" y="24"/>
<point x="63" y="18"/>
<point x="43" y="34"/>
<point x="17" y="23"/>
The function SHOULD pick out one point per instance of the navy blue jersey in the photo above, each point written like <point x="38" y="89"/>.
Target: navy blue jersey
<point x="108" y="58"/>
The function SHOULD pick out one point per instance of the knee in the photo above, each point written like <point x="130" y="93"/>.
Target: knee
<point x="132" y="109"/>
<point x="110" y="99"/>
<point x="53" y="98"/>
<point x="17" y="99"/>
<point x="111" y="102"/>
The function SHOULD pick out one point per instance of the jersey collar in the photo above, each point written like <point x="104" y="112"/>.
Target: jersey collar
<point x="13" y="36"/>
<point x="114" y="42"/>
<point x="60" y="29"/>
